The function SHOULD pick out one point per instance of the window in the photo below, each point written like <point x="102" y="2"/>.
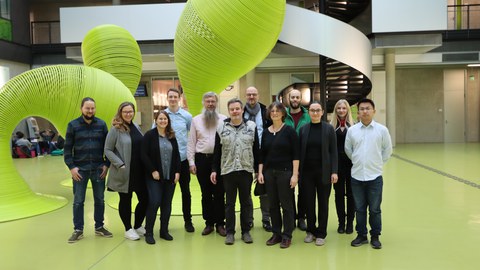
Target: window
<point x="5" y="9"/>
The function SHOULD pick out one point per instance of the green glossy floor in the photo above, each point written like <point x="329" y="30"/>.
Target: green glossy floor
<point x="431" y="220"/>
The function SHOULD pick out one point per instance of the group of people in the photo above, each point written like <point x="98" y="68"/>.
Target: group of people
<point x="279" y="147"/>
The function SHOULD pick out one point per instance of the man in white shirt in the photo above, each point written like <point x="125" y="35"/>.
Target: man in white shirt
<point x="201" y="142"/>
<point x="368" y="145"/>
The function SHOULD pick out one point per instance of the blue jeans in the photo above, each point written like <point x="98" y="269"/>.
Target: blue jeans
<point x="368" y="193"/>
<point x="79" y="190"/>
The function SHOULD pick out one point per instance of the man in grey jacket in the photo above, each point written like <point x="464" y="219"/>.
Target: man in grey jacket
<point x="235" y="158"/>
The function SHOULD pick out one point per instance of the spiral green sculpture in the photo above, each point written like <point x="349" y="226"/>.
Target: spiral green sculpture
<point x="114" y="50"/>
<point x="218" y="41"/>
<point x="55" y="93"/>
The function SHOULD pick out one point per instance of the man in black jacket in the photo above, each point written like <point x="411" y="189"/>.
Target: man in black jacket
<point x="257" y="112"/>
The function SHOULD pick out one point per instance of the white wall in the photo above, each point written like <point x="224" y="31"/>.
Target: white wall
<point x="408" y="15"/>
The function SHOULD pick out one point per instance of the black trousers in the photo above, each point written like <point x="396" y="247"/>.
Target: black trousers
<point x="186" y="195"/>
<point x="312" y="186"/>
<point x="343" y="188"/>
<point x="240" y="181"/>
<point x="279" y="193"/>
<point x="213" y="196"/>
<point x="160" y="196"/>
<point x="125" y="208"/>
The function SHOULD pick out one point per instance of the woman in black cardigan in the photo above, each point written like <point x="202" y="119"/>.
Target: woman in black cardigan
<point x="318" y="171"/>
<point x="161" y="159"/>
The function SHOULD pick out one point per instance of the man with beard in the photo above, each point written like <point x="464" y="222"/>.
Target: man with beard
<point x="181" y="121"/>
<point x="257" y="112"/>
<point x="297" y="116"/>
<point x="83" y="154"/>
<point x="200" y="147"/>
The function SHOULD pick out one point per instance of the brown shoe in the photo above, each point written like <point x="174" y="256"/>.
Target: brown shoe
<point x="221" y="230"/>
<point x="275" y="239"/>
<point x="208" y="230"/>
<point x="285" y="243"/>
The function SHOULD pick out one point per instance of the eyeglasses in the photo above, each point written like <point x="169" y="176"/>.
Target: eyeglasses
<point x="128" y="112"/>
<point x="315" y="111"/>
<point x="365" y="108"/>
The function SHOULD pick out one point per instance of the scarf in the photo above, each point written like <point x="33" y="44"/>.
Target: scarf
<point x="252" y="112"/>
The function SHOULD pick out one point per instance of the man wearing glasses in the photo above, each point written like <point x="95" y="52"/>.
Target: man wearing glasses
<point x="369" y="146"/>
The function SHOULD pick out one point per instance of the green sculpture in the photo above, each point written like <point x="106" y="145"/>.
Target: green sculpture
<point x="55" y="93"/>
<point x="218" y="41"/>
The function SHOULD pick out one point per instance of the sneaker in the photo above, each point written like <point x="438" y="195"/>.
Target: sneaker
<point x="103" y="232"/>
<point x="76" y="235"/>
<point x="132" y="234"/>
<point x="149" y="239"/>
<point x="275" y="239"/>
<point x="247" y="238"/>
<point x="140" y="231"/>
<point x="229" y="239"/>
<point x="301" y="224"/>
<point x="320" y="241"/>
<point x="189" y="227"/>
<point x="285" y="243"/>
<point x="360" y="240"/>
<point x="309" y="238"/>
<point x="375" y="242"/>
<point x="267" y="226"/>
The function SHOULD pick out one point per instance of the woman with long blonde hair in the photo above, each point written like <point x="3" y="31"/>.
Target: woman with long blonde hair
<point x="123" y="148"/>
<point x="341" y="120"/>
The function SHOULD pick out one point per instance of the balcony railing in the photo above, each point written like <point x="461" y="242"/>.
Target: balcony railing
<point x="45" y="32"/>
<point x="463" y="17"/>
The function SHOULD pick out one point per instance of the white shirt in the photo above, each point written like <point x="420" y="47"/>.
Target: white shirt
<point x="201" y="139"/>
<point x="369" y="148"/>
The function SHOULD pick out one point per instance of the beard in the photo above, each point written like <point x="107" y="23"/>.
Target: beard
<point x="210" y="118"/>
<point x="294" y="105"/>
<point x="88" y="117"/>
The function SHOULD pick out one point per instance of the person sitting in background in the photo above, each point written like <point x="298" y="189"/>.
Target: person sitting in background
<point x="24" y="144"/>
<point x="47" y="136"/>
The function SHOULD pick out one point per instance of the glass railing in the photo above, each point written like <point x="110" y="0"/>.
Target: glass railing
<point x="45" y="32"/>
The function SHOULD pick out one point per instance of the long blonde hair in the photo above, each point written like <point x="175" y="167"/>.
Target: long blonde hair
<point x="348" y="118"/>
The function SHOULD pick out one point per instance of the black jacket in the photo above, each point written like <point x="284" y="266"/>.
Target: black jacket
<point x="263" y="111"/>
<point x="151" y="155"/>
<point x="329" y="150"/>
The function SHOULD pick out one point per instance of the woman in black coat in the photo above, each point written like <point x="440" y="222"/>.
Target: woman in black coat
<point x="318" y="171"/>
<point x="161" y="159"/>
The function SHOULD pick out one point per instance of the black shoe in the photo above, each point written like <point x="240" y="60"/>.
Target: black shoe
<point x="266" y="226"/>
<point x="166" y="236"/>
<point x="341" y="229"/>
<point x="349" y="229"/>
<point x="208" y="230"/>
<point x="375" y="242"/>
<point x="301" y="224"/>
<point x="149" y="239"/>
<point x="360" y="240"/>
<point x="189" y="227"/>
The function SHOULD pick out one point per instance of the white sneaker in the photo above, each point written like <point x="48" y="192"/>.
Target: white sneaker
<point x="132" y="234"/>
<point x="141" y="230"/>
<point x="320" y="241"/>
<point x="309" y="238"/>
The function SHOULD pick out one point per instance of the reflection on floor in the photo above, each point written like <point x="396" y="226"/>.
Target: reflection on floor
<point x="431" y="220"/>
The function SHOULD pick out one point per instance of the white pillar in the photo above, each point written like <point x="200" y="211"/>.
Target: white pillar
<point x="390" y="93"/>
